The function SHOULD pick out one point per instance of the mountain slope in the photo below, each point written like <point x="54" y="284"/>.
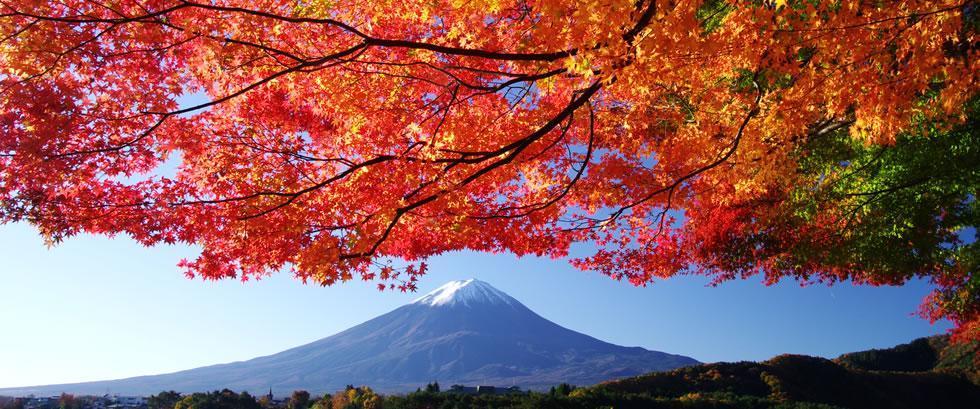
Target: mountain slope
<point x="464" y="332"/>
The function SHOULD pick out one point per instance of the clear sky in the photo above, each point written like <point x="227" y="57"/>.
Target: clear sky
<point x="95" y="308"/>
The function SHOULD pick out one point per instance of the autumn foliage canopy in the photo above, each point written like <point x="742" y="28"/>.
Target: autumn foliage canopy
<point x="820" y="140"/>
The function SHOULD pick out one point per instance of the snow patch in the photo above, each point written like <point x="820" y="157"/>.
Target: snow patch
<point x="465" y="292"/>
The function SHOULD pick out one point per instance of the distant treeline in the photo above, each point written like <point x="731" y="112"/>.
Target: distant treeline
<point x="926" y="373"/>
<point x="563" y="396"/>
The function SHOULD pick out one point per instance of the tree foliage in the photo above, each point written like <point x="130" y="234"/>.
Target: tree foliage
<point x="300" y="399"/>
<point x="361" y="397"/>
<point x="224" y="399"/>
<point x="341" y="134"/>
<point x="7" y="402"/>
<point x="163" y="400"/>
<point x="924" y="354"/>
<point x="68" y="401"/>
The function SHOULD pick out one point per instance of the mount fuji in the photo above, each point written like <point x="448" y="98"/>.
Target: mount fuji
<point x="465" y="332"/>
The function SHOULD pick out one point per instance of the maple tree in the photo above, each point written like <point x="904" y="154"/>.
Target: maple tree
<point x="678" y="137"/>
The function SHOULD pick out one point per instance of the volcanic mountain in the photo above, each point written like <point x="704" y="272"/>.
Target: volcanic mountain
<point x="465" y="332"/>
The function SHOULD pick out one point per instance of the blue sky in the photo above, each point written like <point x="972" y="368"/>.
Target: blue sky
<point x="96" y="308"/>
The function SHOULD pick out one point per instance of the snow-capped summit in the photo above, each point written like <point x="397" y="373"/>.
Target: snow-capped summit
<point x="465" y="292"/>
